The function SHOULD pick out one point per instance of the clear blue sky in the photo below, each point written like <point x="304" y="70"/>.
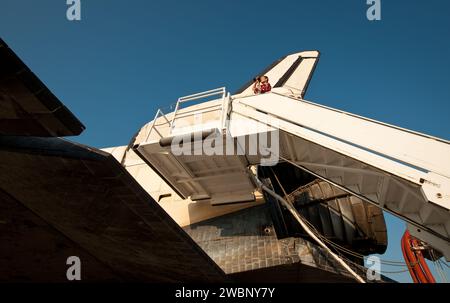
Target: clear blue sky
<point x="125" y="59"/>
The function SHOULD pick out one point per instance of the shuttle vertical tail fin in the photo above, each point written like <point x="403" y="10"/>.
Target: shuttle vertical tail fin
<point x="292" y="72"/>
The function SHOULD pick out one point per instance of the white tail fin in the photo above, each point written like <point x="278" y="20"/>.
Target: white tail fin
<point x="292" y="72"/>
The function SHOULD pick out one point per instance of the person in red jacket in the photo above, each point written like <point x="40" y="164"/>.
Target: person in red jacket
<point x="261" y="85"/>
<point x="265" y="85"/>
<point x="256" y="86"/>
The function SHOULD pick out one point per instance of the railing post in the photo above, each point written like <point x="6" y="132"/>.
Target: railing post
<point x="174" y="116"/>
<point x="158" y="114"/>
<point x="225" y="106"/>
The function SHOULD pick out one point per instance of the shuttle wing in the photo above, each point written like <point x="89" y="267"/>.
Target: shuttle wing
<point x="27" y="106"/>
<point x="86" y="196"/>
<point x="59" y="199"/>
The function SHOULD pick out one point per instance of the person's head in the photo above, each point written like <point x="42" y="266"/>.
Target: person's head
<point x="263" y="79"/>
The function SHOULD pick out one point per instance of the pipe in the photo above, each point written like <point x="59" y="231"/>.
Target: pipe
<point x="415" y="261"/>
<point x="408" y="258"/>
<point x="190" y="138"/>
<point x="425" y="269"/>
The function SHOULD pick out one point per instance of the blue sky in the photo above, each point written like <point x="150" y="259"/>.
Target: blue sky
<point x="125" y="59"/>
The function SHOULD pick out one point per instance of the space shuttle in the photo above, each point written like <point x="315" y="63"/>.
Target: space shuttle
<point x="221" y="187"/>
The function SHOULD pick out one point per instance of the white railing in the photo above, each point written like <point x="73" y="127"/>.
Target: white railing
<point x="159" y="113"/>
<point x="215" y="107"/>
<point x="223" y="107"/>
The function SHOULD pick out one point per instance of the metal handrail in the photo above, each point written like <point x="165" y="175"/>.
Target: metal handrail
<point x="197" y="96"/>
<point x="224" y="107"/>
<point x="159" y="113"/>
<point x="212" y="92"/>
